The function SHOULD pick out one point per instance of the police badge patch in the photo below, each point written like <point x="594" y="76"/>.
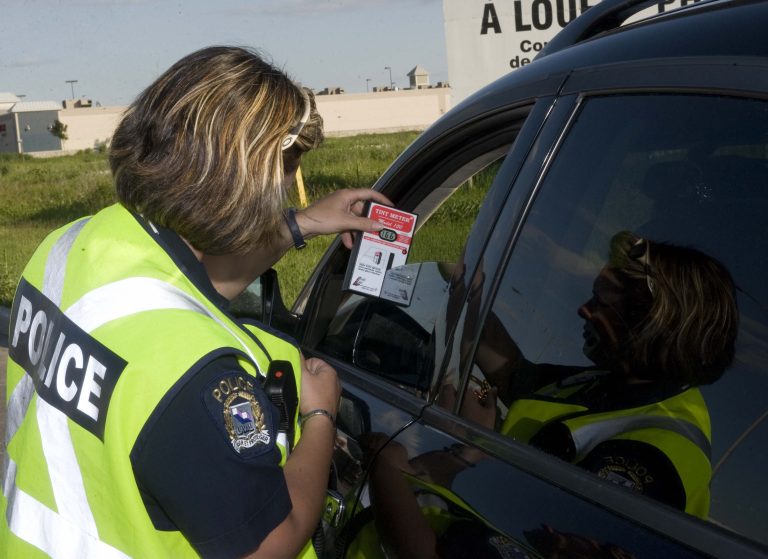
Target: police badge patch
<point x="242" y="412"/>
<point x="244" y="419"/>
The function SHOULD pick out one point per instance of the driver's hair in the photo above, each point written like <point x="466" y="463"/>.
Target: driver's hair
<point x="200" y="150"/>
<point x="688" y="334"/>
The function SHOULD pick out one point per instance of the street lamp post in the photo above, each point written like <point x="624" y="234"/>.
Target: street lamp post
<point x="367" y="81"/>
<point x="391" y="83"/>
<point x="72" y="85"/>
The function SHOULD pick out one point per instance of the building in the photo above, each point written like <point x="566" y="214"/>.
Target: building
<point x="7" y="100"/>
<point x="382" y="111"/>
<point x="89" y="127"/>
<point x="418" y="78"/>
<point x="330" y="91"/>
<point x="28" y="126"/>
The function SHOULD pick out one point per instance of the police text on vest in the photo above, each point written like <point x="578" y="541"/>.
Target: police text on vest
<point x="70" y="369"/>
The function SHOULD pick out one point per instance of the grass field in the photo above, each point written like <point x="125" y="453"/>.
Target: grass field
<point x="39" y="195"/>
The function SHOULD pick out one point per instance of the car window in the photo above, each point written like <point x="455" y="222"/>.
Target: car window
<point x="394" y="342"/>
<point x="629" y="332"/>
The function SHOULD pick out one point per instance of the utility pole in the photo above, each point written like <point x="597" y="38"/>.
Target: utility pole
<point x="19" y="141"/>
<point x="72" y="85"/>
<point x="391" y="83"/>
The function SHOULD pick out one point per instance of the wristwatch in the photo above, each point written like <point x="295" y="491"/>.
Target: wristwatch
<point x="290" y="218"/>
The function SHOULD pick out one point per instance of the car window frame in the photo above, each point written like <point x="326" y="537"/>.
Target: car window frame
<point x="716" y="77"/>
<point x="470" y="143"/>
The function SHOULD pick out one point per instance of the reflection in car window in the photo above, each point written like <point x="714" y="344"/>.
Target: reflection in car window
<point x="442" y="236"/>
<point x="676" y="188"/>
<point x="395" y="342"/>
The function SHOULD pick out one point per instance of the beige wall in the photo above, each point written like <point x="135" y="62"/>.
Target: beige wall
<point x="89" y="127"/>
<point x="384" y="111"/>
<point x="343" y="115"/>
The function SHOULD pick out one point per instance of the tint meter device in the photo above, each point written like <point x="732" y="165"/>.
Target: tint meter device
<point x="375" y="267"/>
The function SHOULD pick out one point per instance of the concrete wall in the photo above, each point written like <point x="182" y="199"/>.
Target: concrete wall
<point x="343" y="115"/>
<point x="89" y="127"/>
<point x="384" y="111"/>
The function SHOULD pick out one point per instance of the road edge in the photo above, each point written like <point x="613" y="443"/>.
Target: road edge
<point x="5" y="324"/>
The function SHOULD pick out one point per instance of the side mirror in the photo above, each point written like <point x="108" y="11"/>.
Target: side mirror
<point x="262" y="301"/>
<point x="353" y="416"/>
<point x="392" y="345"/>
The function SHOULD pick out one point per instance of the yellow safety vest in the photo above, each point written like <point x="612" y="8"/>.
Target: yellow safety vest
<point x="441" y="509"/>
<point x="90" y="358"/>
<point x="678" y="426"/>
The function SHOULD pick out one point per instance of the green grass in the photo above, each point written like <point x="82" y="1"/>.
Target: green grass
<point x="441" y="238"/>
<point x="435" y="242"/>
<point x="351" y="162"/>
<point x="40" y="195"/>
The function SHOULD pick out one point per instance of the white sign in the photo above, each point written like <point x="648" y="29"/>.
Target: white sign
<point x="489" y="38"/>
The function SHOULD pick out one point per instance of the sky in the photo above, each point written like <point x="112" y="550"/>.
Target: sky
<point x="115" y="48"/>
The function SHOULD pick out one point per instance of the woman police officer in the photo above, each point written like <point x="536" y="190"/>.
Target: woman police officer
<point x="662" y="321"/>
<point x="137" y="422"/>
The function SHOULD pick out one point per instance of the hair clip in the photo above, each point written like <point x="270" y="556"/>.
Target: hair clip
<point x="293" y="135"/>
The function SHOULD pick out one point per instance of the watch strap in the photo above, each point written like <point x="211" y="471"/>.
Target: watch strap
<point x="293" y="227"/>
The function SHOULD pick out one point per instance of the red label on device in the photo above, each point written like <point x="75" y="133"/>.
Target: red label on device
<point x="392" y="218"/>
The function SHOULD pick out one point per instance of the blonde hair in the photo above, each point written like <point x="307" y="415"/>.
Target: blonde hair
<point x="688" y="333"/>
<point x="200" y="150"/>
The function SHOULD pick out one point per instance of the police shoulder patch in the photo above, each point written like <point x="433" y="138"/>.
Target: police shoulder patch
<point x="242" y="412"/>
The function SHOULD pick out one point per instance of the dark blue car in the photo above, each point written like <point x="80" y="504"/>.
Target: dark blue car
<point x="651" y="136"/>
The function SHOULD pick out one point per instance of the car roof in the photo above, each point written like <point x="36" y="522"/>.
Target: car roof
<point x="728" y="32"/>
<point x="706" y="30"/>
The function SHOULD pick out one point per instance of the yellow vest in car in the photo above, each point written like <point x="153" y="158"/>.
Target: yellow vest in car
<point x="90" y="358"/>
<point x="678" y="426"/>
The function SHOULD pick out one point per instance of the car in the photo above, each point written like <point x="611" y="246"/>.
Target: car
<point x="657" y="127"/>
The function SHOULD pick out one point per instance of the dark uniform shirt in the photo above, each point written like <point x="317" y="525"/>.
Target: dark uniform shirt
<point x="205" y="463"/>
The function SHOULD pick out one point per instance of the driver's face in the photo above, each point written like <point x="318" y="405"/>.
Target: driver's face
<point x="605" y="326"/>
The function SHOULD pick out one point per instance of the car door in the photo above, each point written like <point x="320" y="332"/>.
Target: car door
<point x="473" y="492"/>
<point x="548" y="213"/>
<point x="676" y="153"/>
<point x="388" y="355"/>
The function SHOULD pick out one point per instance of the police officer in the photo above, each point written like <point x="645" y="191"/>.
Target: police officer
<point x="661" y="322"/>
<point x="137" y="421"/>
